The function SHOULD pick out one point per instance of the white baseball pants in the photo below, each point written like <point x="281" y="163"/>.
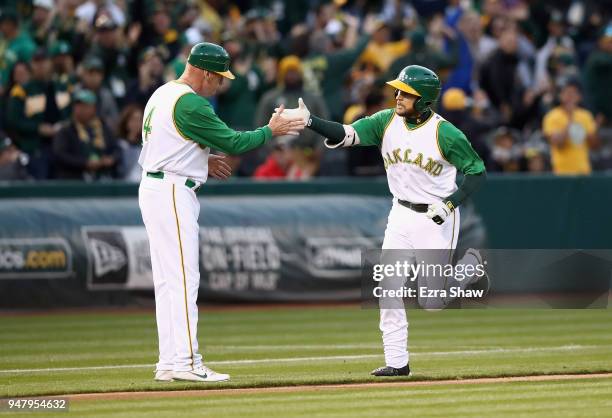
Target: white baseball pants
<point x="170" y="213"/>
<point x="410" y="230"/>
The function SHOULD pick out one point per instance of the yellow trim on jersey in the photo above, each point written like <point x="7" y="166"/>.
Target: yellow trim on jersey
<point x="438" y="143"/>
<point x="419" y="125"/>
<point x="173" y="107"/>
<point x="387" y="127"/>
<point x="400" y="85"/>
<point x="178" y="230"/>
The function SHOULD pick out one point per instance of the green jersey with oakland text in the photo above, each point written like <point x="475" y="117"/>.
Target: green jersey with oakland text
<point x="421" y="158"/>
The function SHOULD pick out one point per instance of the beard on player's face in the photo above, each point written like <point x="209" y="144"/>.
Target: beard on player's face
<point x="404" y="104"/>
<point x="405" y="108"/>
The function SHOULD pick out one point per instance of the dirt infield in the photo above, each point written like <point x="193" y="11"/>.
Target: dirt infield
<point x="309" y="388"/>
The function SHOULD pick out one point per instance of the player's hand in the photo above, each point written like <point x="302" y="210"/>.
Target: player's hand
<point x="438" y="212"/>
<point x="282" y="124"/>
<point x="218" y="167"/>
<point x="299" y="112"/>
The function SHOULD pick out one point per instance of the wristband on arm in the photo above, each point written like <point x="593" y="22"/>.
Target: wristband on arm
<point x="336" y="134"/>
<point x="470" y="183"/>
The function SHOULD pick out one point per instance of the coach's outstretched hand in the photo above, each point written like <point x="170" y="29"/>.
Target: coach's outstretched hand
<point x="282" y="123"/>
<point x="438" y="212"/>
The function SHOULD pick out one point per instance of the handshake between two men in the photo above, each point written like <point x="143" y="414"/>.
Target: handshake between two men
<point x="289" y="121"/>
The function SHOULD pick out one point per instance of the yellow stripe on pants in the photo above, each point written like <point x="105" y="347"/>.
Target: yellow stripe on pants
<point x="178" y="230"/>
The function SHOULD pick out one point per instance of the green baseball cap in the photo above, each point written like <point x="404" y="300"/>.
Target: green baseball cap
<point x="93" y="63"/>
<point x="84" y="96"/>
<point x="59" y="48"/>
<point x="211" y="57"/>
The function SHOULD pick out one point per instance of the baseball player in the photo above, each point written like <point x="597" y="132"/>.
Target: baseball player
<point x="422" y="153"/>
<point x="179" y="129"/>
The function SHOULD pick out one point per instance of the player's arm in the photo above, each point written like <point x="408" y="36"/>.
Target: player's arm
<point x="196" y="120"/>
<point x="364" y="132"/>
<point x="457" y="150"/>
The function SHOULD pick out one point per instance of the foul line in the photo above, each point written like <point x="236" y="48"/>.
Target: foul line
<point x="318" y="358"/>
<point x="315" y="387"/>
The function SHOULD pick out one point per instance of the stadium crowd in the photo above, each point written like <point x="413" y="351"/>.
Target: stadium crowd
<point x="526" y="80"/>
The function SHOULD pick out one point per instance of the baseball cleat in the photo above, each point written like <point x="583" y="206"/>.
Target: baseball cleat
<point x="391" y="371"/>
<point x="163" y="375"/>
<point x="484" y="282"/>
<point x="201" y="374"/>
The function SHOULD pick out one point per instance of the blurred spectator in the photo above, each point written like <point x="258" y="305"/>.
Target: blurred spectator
<point x="327" y="60"/>
<point x="115" y="54"/>
<point x="506" y="154"/>
<point x="598" y="77"/>
<point x="92" y="76"/>
<point x="90" y="9"/>
<point x="276" y="165"/>
<point x="366" y="161"/>
<point x="150" y="78"/>
<point x="306" y="161"/>
<point x="67" y="27"/>
<point x="259" y="34"/>
<point x="422" y="54"/>
<point x="33" y="115"/>
<point x="237" y="102"/>
<point x="505" y="78"/>
<point x="289" y="160"/>
<point x="85" y="148"/>
<point x="176" y="67"/>
<point x="469" y="116"/>
<point x="571" y="131"/>
<point x="473" y="48"/>
<point x="19" y="76"/>
<point x="287" y="92"/>
<point x="12" y="161"/>
<point x="15" y="45"/>
<point x="558" y="50"/>
<point x="382" y="51"/>
<point x="63" y="65"/>
<point x="130" y="142"/>
<point x="39" y="25"/>
<point x="536" y="160"/>
<point x="163" y="36"/>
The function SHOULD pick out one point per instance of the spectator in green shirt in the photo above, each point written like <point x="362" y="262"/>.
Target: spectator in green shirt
<point x="15" y="45"/>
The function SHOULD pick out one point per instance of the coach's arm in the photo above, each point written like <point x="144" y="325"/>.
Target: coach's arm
<point x="196" y="120"/>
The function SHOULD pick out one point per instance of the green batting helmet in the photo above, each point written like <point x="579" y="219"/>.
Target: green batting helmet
<point x="211" y="57"/>
<point x="418" y="81"/>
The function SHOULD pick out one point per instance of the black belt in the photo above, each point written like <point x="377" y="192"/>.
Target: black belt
<point x="160" y="175"/>
<point x="417" y="207"/>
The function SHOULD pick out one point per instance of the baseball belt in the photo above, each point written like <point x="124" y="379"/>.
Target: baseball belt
<point x="417" y="207"/>
<point x="192" y="184"/>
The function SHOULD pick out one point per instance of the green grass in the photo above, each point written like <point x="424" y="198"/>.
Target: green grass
<point x="336" y="344"/>
<point x="570" y="398"/>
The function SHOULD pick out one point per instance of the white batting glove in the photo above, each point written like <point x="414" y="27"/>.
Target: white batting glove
<point x="439" y="211"/>
<point x="299" y="112"/>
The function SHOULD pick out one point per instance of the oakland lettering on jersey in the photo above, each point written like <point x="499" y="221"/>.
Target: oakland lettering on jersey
<point x="398" y="156"/>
